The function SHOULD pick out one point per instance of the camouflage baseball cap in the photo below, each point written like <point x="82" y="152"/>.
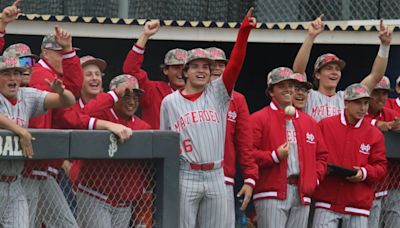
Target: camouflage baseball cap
<point x="8" y="62"/>
<point x="356" y="91"/>
<point x="384" y="83"/>
<point x="198" y="53"/>
<point x="20" y="50"/>
<point x="115" y="82"/>
<point x="88" y="60"/>
<point x="278" y="75"/>
<point x="302" y="79"/>
<point x="217" y="54"/>
<point x="49" y="42"/>
<point x="175" y="56"/>
<point x="328" y="58"/>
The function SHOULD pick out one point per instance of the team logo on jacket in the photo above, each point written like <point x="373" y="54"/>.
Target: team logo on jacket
<point x="310" y="138"/>
<point x="365" y="148"/>
<point x="113" y="146"/>
<point x="232" y="116"/>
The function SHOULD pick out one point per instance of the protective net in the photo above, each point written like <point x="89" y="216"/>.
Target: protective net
<point x="91" y="193"/>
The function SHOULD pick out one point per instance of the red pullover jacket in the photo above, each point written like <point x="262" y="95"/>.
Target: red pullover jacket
<point x="129" y="177"/>
<point x="2" y="41"/>
<point x="393" y="103"/>
<point x="72" y="78"/>
<point x="392" y="180"/>
<point x="269" y="132"/>
<point x="359" y="145"/>
<point x="238" y="142"/>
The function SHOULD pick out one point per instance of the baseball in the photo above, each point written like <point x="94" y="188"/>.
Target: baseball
<point x="290" y="110"/>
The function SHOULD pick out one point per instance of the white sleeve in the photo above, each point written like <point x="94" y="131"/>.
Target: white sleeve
<point x="164" y="118"/>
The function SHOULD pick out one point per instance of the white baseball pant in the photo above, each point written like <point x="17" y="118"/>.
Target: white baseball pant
<point x="14" y="211"/>
<point x="391" y="209"/>
<point x="95" y="213"/>
<point x="375" y="213"/>
<point x="202" y="197"/>
<point x="289" y="213"/>
<point x="324" y="218"/>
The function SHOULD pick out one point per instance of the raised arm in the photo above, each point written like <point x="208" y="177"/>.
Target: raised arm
<point x="381" y="60"/>
<point x="302" y="57"/>
<point x="9" y="14"/>
<point x="238" y="54"/>
<point x="134" y="59"/>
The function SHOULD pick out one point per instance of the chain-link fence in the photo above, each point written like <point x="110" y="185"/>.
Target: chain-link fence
<point x="95" y="193"/>
<point x="220" y="10"/>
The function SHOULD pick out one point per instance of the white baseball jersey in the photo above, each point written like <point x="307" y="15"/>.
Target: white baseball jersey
<point x="201" y="123"/>
<point x="320" y="106"/>
<point x="293" y="157"/>
<point x="30" y="103"/>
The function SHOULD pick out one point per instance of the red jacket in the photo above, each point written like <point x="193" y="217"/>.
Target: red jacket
<point x="360" y="145"/>
<point x="154" y="91"/>
<point x="128" y="177"/>
<point x="2" y="41"/>
<point x="238" y="142"/>
<point x="72" y="78"/>
<point x="392" y="180"/>
<point x="269" y="132"/>
<point x="393" y="103"/>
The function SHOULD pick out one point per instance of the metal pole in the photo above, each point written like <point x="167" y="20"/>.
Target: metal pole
<point x="123" y="8"/>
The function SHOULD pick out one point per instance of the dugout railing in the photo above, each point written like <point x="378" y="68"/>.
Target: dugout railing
<point x="159" y="151"/>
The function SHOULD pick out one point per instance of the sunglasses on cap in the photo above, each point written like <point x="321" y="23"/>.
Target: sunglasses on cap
<point x="26" y="62"/>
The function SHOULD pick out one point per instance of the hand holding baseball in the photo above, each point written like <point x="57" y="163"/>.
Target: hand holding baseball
<point x="252" y="19"/>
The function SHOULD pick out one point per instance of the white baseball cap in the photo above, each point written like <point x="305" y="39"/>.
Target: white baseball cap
<point x="398" y="81"/>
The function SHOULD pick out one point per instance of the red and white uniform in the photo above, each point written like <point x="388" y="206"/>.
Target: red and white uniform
<point x="128" y="176"/>
<point x="238" y="142"/>
<point x="72" y="78"/>
<point x="386" y="115"/>
<point x="2" y="41"/>
<point x="393" y="103"/>
<point x="360" y="145"/>
<point x="150" y="101"/>
<point x="269" y="132"/>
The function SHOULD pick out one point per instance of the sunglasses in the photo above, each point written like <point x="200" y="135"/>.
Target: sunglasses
<point x="26" y="62"/>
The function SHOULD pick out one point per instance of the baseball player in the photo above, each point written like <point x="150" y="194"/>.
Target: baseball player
<point x="198" y="112"/>
<point x="150" y="102"/>
<point x="17" y="105"/>
<point x="102" y="203"/>
<point x="301" y="89"/>
<point x="238" y="142"/>
<point x="59" y="60"/>
<point x="394" y="103"/>
<point x="325" y="101"/>
<point x="353" y="143"/>
<point x="377" y="111"/>
<point x="26" y="59"/>
<point x="291" y="156"/>
<point x="8" y="15"/>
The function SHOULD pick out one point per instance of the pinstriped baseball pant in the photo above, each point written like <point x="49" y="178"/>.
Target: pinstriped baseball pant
<point x="13" y="206"/>
<point x="391" y="209"/>
<point x="375" y="213"/>
<point x="324" y="218"/>
<point x="273" y="213"/>
<point x="202" y="197"/>
<point x="230" y="205"/>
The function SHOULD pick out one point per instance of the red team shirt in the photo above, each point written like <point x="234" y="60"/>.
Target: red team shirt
<point x="359" y="145"/>
<point x="150" y="102"/>
<point x="393" y="103"/>
<point x="269" y="132"/>
<point x="392" y="179"/>
<point x="128" y="176"/>
<point x="72" y="78"/>
<point x="2" y="41"/>
<point x="238" y="142"/>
